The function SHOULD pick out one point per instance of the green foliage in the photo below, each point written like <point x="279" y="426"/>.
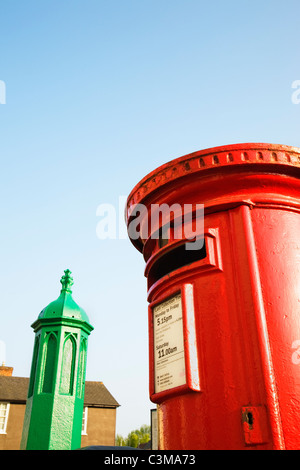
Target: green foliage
<point x="134" y="438"/>
<point x="120" y="441"/>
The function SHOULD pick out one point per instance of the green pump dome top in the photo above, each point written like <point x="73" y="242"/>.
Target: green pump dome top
<point x="64" y="306"/>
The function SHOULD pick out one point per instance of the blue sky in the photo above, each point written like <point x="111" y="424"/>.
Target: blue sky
<point x="98" y="94"/>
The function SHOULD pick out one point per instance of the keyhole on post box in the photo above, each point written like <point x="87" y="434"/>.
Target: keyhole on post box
<point x="249" y="418"/>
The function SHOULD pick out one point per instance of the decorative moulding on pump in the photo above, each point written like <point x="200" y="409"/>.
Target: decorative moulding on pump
<point x="64" y="308"/>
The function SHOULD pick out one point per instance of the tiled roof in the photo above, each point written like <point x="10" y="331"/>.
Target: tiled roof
<point x="97" y="394"/>
<point x="14" y="390"/>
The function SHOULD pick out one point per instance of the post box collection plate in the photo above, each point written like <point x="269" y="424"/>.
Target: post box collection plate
<point x="169" y="357"/>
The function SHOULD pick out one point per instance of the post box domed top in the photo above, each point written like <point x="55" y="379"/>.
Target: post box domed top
<point x="215" y="164"/>
<point x="64" y="306"/>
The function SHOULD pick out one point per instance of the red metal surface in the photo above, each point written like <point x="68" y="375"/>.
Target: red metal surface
<point x="240" y="302"/>
<point x="254" y="419"/>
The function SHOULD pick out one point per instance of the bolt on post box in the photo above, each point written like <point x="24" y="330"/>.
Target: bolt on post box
<point x="219" y="233"/>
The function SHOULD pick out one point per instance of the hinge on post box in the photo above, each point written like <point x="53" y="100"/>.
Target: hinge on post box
<point x="255" y="424"/>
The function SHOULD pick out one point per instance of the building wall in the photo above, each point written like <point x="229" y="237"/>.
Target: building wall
<point x="12" y="439"/>
<point x="101" y="427"/>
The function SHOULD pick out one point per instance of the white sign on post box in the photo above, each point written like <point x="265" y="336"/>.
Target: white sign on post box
<point x="169" y="359"/>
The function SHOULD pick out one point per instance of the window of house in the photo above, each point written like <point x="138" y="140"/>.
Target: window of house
<point x="84" y="420"/>
<point x="4" y="410"/>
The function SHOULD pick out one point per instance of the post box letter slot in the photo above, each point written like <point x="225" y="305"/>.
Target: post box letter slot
<point x="174" y="259"/>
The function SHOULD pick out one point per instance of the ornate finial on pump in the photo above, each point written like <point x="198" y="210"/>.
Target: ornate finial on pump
<point x="66" y="281"/>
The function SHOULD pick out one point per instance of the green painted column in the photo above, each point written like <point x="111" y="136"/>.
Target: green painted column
<point x="54" y="407"/>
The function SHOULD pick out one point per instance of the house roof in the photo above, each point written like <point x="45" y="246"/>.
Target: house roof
<point x="97" y="394"/>
<point x="15" y="389"/>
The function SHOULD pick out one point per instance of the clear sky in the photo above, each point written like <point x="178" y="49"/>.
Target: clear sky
<point x="98" y="94"/>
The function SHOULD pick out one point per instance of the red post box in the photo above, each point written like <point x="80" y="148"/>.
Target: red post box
<point x="224" y="319"/>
